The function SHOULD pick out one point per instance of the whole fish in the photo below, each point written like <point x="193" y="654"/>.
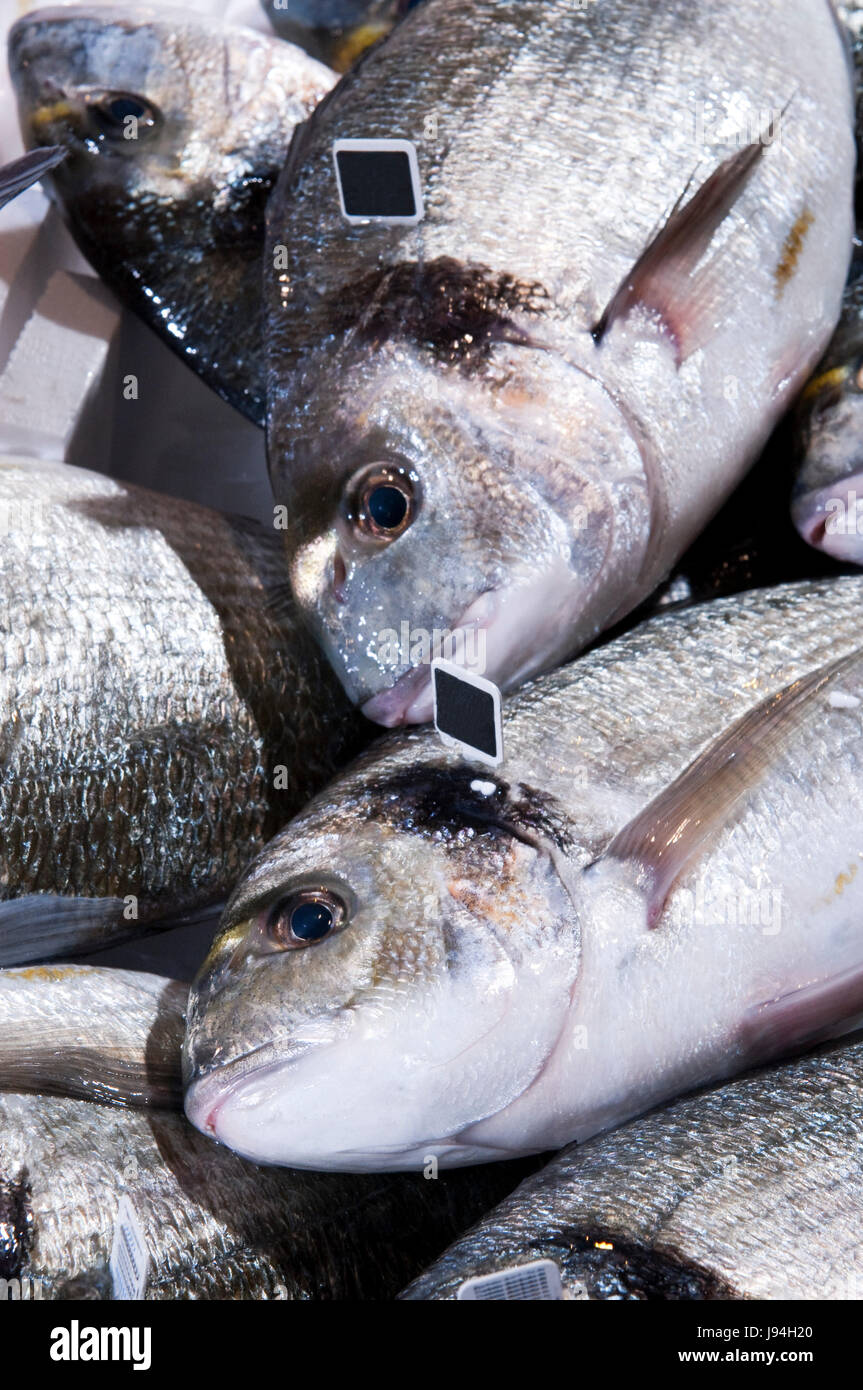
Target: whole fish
<point x="750" y="1191"/>
<point x="660" y="886"/>
<point x="82" y="1031"/>
<point x="827" y="506"/>
<point x="510" y="420"/>
<point x="162" y="709"/>
<point x="338" y="31"/>
<point x="215" y="1226"/>
<point x="175" y="128"/>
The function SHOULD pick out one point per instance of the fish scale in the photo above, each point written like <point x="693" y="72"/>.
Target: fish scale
<point x="153" y="679"/>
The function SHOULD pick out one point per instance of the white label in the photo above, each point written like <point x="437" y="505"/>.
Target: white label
<point x="539" y="1280"/>
<point x="130" y="1262"/>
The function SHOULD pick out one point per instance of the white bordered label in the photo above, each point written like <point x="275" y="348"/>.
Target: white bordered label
<point x="539" y="1280"/>
<point x="467" y="712"/>
<point x="379" y="181"/>
<point x="130" y="1260"/>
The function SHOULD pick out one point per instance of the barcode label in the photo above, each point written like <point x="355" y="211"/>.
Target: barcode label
<point x="130" y="1262"/>
<point x="540" y="1280"/>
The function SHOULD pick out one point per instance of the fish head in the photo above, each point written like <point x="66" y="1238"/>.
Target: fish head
<point x="455" y="487"/>
<point x="395" y="967"/>
<point x="827" y="505"/>
<point x="156" y="112"/>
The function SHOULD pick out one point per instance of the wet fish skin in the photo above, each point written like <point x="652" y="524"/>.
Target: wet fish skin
<point x="551" y="479"/>
<point x="216" y="1227"/>
<point x="154" y="678"/>
<point x="752" y="1191"/>
<point x="89" y="1033"/>
<point x="172" y="220"/>
<point x="659" y="887"/>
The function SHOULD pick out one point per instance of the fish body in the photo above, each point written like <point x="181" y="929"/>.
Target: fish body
<point x="659" y="887"/>
<point x="512" y="418"/>
<point x="175" y="128"/>
<point x="163" y="710"/>
<point x="753" y="1190"/>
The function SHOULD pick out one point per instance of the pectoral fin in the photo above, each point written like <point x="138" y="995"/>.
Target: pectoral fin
<point x="662" y="278"/>
<point x="814" y="1013"/>
<point x="666" y="836"/>
<point x="21" y="173"/>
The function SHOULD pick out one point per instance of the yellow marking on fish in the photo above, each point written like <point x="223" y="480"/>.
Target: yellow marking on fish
<point x="827" y="381"/>
<point x="845" y="880"/>
<point x="602" y="1245"/>
<point x="792" y="250"/>
<point x="49" y="973"/>
<point x="54" y="111"/>
<point x="355" y="43"/>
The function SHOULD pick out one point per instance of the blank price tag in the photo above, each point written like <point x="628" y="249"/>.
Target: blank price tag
<point x="537" y="1281"/>
<point x="379" y="181"/>
<point x="130" y="1262"/>
<point x="467" y="712"/>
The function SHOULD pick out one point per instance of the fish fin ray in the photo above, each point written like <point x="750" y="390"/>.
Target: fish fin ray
<point x="803" y="1017"/>
<point x="18" y="176"/>
<point x="661" y="280"/>
<point x="666" y="836"/>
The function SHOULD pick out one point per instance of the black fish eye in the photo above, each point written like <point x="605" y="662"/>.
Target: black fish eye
<point x="382" y="501"/>
<point x="305" y="917"/>
<point x="113" y="111"/>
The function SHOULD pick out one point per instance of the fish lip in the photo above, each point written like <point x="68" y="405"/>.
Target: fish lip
<point x="233" y="1073"/>
<point x="409" y="699"/>
<point x="810" y="518"/>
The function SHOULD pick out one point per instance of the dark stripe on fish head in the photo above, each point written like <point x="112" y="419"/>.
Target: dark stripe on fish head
<point x="456" y="312"/>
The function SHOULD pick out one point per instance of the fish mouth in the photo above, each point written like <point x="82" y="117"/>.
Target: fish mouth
<point x="831" y="518"/>
<point x="499" y="629"/>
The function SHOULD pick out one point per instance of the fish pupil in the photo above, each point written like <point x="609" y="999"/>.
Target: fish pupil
<point x="122" y="107"/>
<point x="387" y="507"/>
<point x="311" y="921"/>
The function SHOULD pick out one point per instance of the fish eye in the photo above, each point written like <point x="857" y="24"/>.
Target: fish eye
<point x="382" y="501"/>
<point x="305" y="917"/>
<point x="112" y="112"/>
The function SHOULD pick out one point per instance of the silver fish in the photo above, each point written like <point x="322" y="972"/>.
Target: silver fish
<point x="750" y="1191"/>
<point x="508" y="422"/>
<point x="175" y="129"/>
<point x="94" y="1034"/>
<point x="163" y="711"/>
<point x="660" y="886"/>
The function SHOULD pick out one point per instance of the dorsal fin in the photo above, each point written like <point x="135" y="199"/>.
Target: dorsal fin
<point x="665" y="837"/>
<point x="660" y="280"/>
